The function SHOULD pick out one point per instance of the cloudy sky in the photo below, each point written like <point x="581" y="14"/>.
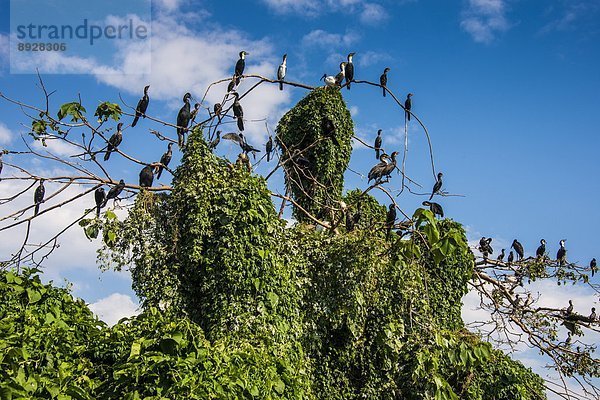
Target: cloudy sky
<point x="508" y="89"/>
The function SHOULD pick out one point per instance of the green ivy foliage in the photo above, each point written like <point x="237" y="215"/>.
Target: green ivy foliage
<point x="301" y="133"/>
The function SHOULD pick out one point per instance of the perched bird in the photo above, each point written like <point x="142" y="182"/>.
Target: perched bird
<point x="593" y="266"/>
<point x="217" y="109"/>
<point x="214" y="143"/>
<point x="501" y="256"/>
<point x="100" y="198"/>
<point x="38" y="196"/>
<point x="377" y="144"/>
<point x="329" y="80"/>
<point x="239" y="67"/>
<point x="383" y="80"/>
<point x="541" y="250"/>
<point x="569" y="309"/>
<point x="408" y="105"/>
<point x="437" y="185"/>
<point x="231" y="85"/>
<point x="142" y="106"/>
<point x="593" y="316"/>
<point x="349" y="71"/>
<point x="183" y="119"/>
<point x="281" y="71"/>
<point x="329" y="129"/>
<point x="244" y="161"/>
<point x="561" y="254"/>
<point x="390" y="219"/>
<point x="269" y="148"/>
<point x="1" y="164"/>
<point x="435" y="208"/>
<point x="484" y="246"/>
<point x="383" y="169"/>
<point x="352" y="219"/>
<point x="568" y="340"/>
<point x="238" y="111"/>
<point x="114" y="141"/>
<point x="147" y="176"/>
<point x="194" y="113"/>
<point x="165" y="160"/>
<point x="511" y="257"/>
<point x="339" y="78"/>
<point x="114" y="191"/>
<point x="518" y="248"/>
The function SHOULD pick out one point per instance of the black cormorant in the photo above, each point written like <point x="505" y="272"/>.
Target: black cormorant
<point x="408" y="105"/>
<point x="281" y="71"/>
<point x="437" y="185"/>
<point x="214" y="143"/>
<point x="114" y="141"/>
<point x="569" y="309"/>
<point x="383" y="80"/>
<point x="115" y="191"/>
<point x="147" y="176"/>
<point x="593" y="266"/>
<point x="244" y="161"/>
<point x="329" y="129"/>
<point x="239" y="67"/>
<point x="183" y="119"/>
<point x="349" y="71"/>
<point x="238" y="111"/>
<point x="194" y="113"/>
<point x="100" y="198"/>
<point x="541" y="250"/>
<point x="485" y="247"/>
<point x="390" y="219"/>
<point x="511" y="257"/>
<point x="383" y="169"/>
<point x="217" y="108"/>
<point x="231" y="85"/>
<point x="339" y="78"/>
<point x="269" y="148"/>
<point x="435" y="208"/>
<point x="561" y="253"/>
<point x="38" y="196"/>
<point x="165" y="160"/>
<point x="377" y="145"/>
<point x="142" y="106"/>
<point x="501" y="256"/>
<point x="1" y="164"/>
<point x="518" y="249"/>
<point x="568" y="340"/>
<point x="593" y="316"/>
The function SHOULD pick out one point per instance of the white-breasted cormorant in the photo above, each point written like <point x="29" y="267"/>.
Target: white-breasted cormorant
<point x="269" y="148"/>
<point x="561" y="254"/>
<point x="339" y="78"/>
<point x="378" y="142"/>
<point x="435" y="208"/>
<point x="383" y="80"/>
<point x="390" y="219"/>
<point x="38" y="196"/>
<point x="238" y="111"/>
<point x="147" y="176"/>
<point x="518" y="249"/>
<point x="349" y="71"/>
<point x="115" y="191"/>
<point x="165" y="160"/>
<point x="281" y="71"/>
<point x="114" y="141"/>
<point x="541" y="250"/>
<point x="408" y="105"/>
<point x="240" y="65"/>
<point x="183" y="119"/>
<point x="142" y="106"/>
<point x="437" y="185"/>
<point x="511" y="257"/>
<point x="100" y="198"/>
<point x="501" y="256"/>
<point x="214" y="143"/>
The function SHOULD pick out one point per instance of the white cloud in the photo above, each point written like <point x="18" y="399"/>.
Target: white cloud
<point x="369" y="58"/>
<point x="321" y="38"/>
<point x="5" y="134"/>
<point x="4" y="50"/>
<point x="114" y="307"/>
<point x="484" y="19"/>
<point x="373" y="14"/>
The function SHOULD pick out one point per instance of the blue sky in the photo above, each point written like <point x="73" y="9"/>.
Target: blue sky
<point x="509" y="90"/>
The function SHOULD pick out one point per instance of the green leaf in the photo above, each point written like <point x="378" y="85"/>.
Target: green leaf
<point x="33" y="295"/>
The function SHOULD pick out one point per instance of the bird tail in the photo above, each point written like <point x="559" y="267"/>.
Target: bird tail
<point x="348" y="86"/>
<point x="377" y="154"/>
<point x="268" y="156"/>
<point x="238" y="79"/>
<point x="160" y="169"/>
<point x="37" y="209"/>
<point x="431" y="197"/>
<point x="280" y="85"/>
<point x="107" y="155"/>
<point x="135" y="120"/>
<point x="240" y="123"/>
<point x="408" y="115"/>
<point x="383" y="91"/>
<point x="98" y="210"/>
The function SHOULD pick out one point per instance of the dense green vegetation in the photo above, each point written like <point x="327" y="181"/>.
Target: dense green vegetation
<point x="236" y="305"/>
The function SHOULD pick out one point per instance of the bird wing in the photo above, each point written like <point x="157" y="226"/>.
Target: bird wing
<point x="232" y="136"/>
